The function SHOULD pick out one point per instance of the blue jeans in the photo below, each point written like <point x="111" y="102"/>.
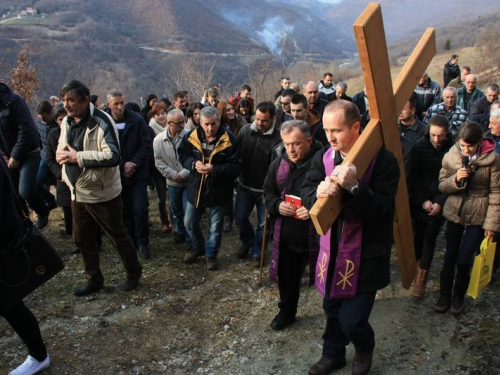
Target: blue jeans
<point x="178" y="202"/>
<point x="43" y="177"/>
<point x="135" y="212"/>
<point x="24" y="178"/>
<point x="192" y="218"/>
<point x="245" y="202"/>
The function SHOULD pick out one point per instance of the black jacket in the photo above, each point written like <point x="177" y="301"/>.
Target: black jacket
<point x="136" y="146"/>
<point x="414" y="132"/>
<point x="11" y="219"/>
<point x="18" y="133"/>
<point x="256" y="154"/>
<point x="359" y="100"/>
<point x="374" y="204"/>
<point x="63" y="192"/>
<point x="319" y="107"/>
<point x="217" y="188"/>
<point x="480" y="112"/>
<point x="426" y="164"/>
<point x="294" y="232"/>
<point x="451" y="71"/>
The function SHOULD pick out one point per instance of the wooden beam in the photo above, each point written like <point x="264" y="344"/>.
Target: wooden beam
<point x="325" y="210"/>
<point x="414" y="68"/>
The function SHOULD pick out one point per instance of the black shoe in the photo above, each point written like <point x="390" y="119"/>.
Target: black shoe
<point x="144" y="251"/>
<point x="87" y="289"/>
<point x="362" y="363"/>
<point x="458" y="298"/>
<point x="212" y="264"/>
<point x="179" y="238"/>
<point x="130" y="284"/>
<point x="243" y="251"/>
<point x="442" y="304"/>
<point x="193" y="255"/>
<point x="42" y="221"/>
<point x="326" y="365"/>
<point x="281" y="321"/>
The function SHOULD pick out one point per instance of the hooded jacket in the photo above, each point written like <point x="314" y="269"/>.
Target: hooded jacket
<point x="18" y="133"/>
<point x="216" y="188"/>
<point x="478" y="202"/>
<point x="476" y="95"/>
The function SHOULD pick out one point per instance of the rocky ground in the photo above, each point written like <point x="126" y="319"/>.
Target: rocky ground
<point x="184" y="319"/>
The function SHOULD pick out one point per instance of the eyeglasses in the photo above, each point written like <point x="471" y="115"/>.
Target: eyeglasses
<point x="180" y="123"/>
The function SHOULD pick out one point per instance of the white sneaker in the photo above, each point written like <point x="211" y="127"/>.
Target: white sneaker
<point x="31" y="366"/>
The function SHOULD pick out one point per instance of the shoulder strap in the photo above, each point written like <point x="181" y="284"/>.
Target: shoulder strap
<point x="20" y="209"/>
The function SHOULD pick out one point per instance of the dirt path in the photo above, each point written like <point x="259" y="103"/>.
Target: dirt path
<point x="186" y="320"/>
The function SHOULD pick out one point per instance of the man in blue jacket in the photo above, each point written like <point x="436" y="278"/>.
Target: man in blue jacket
<point x="20" y="147"/>
<point x="136" y="148"/>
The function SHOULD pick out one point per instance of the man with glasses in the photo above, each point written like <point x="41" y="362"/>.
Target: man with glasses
<point x="283" y="112"/>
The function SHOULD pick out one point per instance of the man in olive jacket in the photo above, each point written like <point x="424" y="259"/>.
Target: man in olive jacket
<point x="211" y="155"/>
<point x="353" y="261"/>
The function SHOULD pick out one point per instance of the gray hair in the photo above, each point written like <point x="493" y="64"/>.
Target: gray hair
<point x="493" y="87"/>
<point x="174" y="112"/>
<point x="342" y="85"/>
<point x="451" y="88"/>
<point x="288" y="126"/>
<point x="496" y="114"/>
<point x="114" y="93"/>
<point x="209" y="112"/>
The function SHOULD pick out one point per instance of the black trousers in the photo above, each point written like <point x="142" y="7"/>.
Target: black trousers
<point x="291" y="266"/>
<point x="24" y="323"/>
<point x="426" y="234"/>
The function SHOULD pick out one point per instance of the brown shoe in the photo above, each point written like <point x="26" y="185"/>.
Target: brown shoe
<point x="212" y="264"/>
<point x="193" y="255"/>
<point x="326" y="365"/>
<point x="420" y="281"/>
<point x="362" y="363"/>
<point x="256" y="262"/>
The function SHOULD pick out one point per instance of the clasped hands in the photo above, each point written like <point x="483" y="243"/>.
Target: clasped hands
<point x="67" y="156"/>
<point x="203" y="168"/>
<point x="344" y="176"/>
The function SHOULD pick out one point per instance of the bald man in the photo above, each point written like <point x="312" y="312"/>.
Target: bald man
<point x="469" y="93"/>
<point x="311" y="92"/>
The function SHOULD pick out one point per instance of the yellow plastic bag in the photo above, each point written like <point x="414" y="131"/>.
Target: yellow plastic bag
<point x="483" y="267"/>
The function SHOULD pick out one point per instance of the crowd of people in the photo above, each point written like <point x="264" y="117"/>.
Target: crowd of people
<point x="226" y="157"/>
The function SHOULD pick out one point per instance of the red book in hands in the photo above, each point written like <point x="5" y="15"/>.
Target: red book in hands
<point x="294" y="201"/>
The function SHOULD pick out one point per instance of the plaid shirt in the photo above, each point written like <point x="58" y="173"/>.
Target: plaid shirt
<point x="457" y="116"/>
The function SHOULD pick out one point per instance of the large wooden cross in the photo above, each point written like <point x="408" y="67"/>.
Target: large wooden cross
<point x="386" y="101"/>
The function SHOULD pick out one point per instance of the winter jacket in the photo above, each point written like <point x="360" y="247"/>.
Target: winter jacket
<point x="456" y="83"/>
<point x="450" y="71"/>
<point x="476" y="94"/>
<point x="478" y="202"/>
<point x="281" y="117"/>
<point x="63" y="193"/>
<point x="480" y="112"/>
<point x="316" y="127"/>
<point x="99" y="160"/>
<point x="413" y="132"/>
<point x="319" y="107"/>
<point x="217" y="188"/>
<point x="359" y="100"/>
<point x="326" y="90"/>
<point x="256" y="154"/>
<point x="235" y="99"/>
<point x="457" y="116"/>
<point x="43" y="131"/>
<point x="424" y="179"/>
<point x="374" y="204"/>
<point x="135" y="146"/>
<point x="236" y="125"/>
<point x="426" y="96"/>
<point x="18" y="134"/>
<point x="333" y="96"/>
<point x="167" y="158"/>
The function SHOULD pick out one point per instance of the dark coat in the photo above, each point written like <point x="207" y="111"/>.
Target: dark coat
<point x="18" y="133"/>
<point x="136" y="145"/>
<point x="63" y="192"/>
<point x="256" y="154"/>
<point x="359" y="100"/>
<point x="480" y="112"/>
<point x="281" y="117"/>
<point x="374" y="204"/>
<point x="217" y="188"/>
<point x="320" y="105"/>
<point x="414" y="132"/>
<point x="424" y="179"/>
<point x="450" y="71"/>
<point x="333" y="96"/>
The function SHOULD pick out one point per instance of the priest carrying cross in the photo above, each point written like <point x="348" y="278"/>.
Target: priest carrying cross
<point x="356" y="188"/>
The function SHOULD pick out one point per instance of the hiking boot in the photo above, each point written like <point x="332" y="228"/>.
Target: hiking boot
<point x="362" y="363"/>
<point x="87" y="289"/>
<point x="326" y="365"/>
<point x="420" y="282"/>
<point x="193" y="255"/>
<point x="212" y="264"/>
<point x="243" y="251"/>
<point x="443" y="303"/>
<point x="256" y="262"/>
<point x="130" y="284"/>
<point x="281" y="321"/>
<point x="458" y="298"/>
<point x="31" y="366"/>
<point x="42" y="221"/>
<point x="144" y="251"/>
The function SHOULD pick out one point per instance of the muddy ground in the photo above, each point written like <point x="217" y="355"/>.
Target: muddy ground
<point x="184" y="319"/>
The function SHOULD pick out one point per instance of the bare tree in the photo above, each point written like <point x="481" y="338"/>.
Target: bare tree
<point x="24" y="77"/>
<point x="263" y="75"/>
<point x="193" y="75"/>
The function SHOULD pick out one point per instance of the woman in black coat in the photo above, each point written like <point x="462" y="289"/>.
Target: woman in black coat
<point x="19" y="316"/>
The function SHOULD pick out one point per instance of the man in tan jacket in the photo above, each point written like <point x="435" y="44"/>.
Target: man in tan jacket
<point x="89" y="152"/>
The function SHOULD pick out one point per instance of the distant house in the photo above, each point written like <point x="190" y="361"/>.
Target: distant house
<point x="31" y="11"/>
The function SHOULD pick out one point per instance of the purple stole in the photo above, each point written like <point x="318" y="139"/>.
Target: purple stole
<point x="346" y="273"/>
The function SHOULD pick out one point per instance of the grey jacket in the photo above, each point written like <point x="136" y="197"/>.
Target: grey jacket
<point x="167" y="159"/>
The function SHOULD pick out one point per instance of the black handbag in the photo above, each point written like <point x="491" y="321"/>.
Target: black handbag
<point x="27" y="262"/>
